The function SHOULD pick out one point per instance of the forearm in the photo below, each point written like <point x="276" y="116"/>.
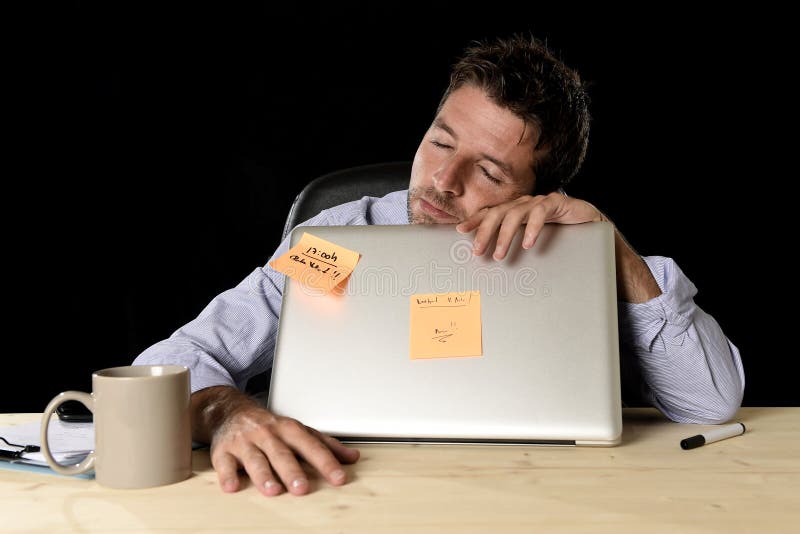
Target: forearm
<point x="635" y="282"/>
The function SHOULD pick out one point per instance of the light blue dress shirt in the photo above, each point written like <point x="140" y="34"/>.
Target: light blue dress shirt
<point x="674" y="356"/>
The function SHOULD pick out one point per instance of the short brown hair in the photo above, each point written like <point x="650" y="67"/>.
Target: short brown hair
<point x="520" y="74"/>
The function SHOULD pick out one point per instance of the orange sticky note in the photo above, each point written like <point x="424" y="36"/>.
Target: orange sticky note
<point x="446" y="325"/>
<point x="316" y="263"/>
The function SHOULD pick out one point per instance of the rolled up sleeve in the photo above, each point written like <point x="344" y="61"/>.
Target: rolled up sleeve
<point x="689" y="369"/>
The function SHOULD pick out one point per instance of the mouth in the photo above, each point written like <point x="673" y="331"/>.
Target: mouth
<point x="435" y="212"/>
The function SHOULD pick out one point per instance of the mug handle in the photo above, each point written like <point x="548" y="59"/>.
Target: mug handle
<point x="88" y="462"/>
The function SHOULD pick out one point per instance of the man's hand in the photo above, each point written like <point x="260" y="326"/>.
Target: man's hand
<point x="504" y="220"/>
<point x="635" y="282"/>
<point x="243" y="434"/>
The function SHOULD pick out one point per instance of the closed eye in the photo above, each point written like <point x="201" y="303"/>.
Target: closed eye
<point x="437" y="144"/>
<point x="488" y="176"/>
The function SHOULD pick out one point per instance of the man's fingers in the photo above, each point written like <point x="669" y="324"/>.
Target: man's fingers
<point x="285" y="464"/>
<point x="536" y="219"/>
<point x="486" y="230"/>
<point x="504" y="220"/>
<point x="268" y="446"/>
<point x="227" y="468"/>
<point x="343" y="453"/>
<point x="315" y="452"/>
<point x="509" y="226"/>
<point x="532" y="230"/>
<point x="471" y="222"/>
<point x="260" y="472"/>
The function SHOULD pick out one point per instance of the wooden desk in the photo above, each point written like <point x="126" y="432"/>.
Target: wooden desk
<point x="749" y="483"/>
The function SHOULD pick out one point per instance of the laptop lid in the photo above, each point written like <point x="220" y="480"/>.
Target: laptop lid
<point x="548" y="369"/>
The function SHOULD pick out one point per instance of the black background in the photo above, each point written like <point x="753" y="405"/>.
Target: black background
<point x="161" y="147"/>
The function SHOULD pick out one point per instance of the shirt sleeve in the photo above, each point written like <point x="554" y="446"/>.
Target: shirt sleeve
<point x="675" y="356"/>
<point x="233" y="338"/>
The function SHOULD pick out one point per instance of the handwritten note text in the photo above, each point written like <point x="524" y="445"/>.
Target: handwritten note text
<point x="317" y="263"/>
<point x="446" y="325"/>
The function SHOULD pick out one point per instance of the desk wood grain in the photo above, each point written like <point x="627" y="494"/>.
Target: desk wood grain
<point x="750" y="483"/>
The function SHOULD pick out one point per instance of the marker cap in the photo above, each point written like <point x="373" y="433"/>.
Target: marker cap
<point x="693" y="442"/>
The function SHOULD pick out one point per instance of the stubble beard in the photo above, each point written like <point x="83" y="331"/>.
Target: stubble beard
<point x="443" y="202"/>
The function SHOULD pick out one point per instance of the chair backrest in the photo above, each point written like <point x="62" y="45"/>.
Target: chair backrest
<point x="346" y="185"/>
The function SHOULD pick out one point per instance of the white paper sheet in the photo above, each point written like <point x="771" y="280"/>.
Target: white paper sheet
<point x="69" y="442"/>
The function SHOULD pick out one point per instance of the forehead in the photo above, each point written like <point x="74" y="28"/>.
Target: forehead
<point x="477" y="121"/>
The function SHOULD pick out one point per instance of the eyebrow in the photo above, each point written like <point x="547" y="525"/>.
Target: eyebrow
<point x="439" y="123"/>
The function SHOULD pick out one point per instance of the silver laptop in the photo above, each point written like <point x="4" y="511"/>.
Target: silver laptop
<point x="548" y="372"/>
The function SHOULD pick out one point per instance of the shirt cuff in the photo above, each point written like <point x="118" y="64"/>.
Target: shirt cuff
<point x="204" y="372"/>
<point x="669" y="314"/>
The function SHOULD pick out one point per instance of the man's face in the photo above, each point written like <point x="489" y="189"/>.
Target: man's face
<point x="475" y="155"/>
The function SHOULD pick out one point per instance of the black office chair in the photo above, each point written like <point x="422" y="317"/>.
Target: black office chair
<point x="346" y="185"/>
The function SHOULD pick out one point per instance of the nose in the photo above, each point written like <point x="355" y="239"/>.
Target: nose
<point x="449" y="177"/>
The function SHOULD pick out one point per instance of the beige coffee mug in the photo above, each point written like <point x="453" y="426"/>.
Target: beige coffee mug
<point x="141" y="425"/>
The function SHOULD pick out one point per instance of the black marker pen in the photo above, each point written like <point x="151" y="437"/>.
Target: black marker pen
<point x="710" y="436"/>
